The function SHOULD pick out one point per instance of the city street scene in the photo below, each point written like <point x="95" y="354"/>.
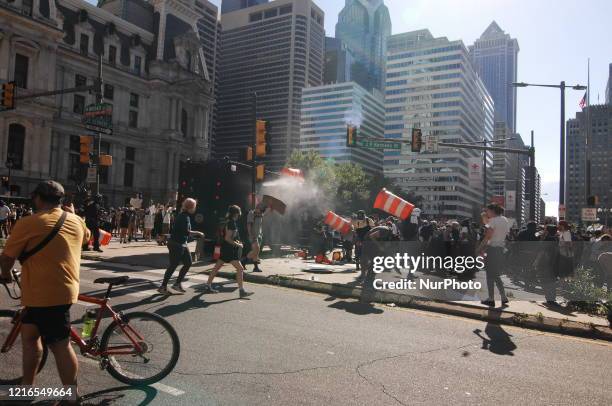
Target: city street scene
<point x="318" y="202"/>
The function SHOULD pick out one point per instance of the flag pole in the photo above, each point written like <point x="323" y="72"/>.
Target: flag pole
<point x="589" y="148"/>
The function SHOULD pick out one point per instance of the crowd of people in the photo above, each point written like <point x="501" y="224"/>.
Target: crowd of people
<point x="506" y="250"/>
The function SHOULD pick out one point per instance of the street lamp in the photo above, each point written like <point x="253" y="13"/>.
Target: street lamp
<point x="562" y="87"/>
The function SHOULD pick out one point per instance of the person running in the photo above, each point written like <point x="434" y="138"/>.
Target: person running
<point x="231" y="251"/>
<point x="255" y="231"/>
<point x="177" y="247"/>
<point x="50" y="279"/>
<point x="493" y="244"/>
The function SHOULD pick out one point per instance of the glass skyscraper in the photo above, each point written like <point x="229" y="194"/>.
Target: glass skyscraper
<point x="364" y="26"/>
<point x="494" y="56"/>
<point x="432" y="85"/>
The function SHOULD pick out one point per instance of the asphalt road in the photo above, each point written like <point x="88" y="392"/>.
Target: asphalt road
<point x="291" y="347"/>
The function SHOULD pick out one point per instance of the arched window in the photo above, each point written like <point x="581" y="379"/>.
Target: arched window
<point x="184" y="122"/>
<point x="16" y="143"/>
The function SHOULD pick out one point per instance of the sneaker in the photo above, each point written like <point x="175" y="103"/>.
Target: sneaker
<point x="164" y="290"/>
<point x="505" y="302"/>
<point x="98" y="250"/>
<point x="490" y="303"/>
<point x="210" y="289"/>
<point x="257" y="270"/>
<point x="244" y="293"/>
<point x="178" y="287"/>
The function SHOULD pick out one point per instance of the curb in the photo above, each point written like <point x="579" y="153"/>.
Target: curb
<point x="529" y="321"/>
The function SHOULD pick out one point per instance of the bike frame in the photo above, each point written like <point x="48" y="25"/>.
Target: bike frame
<point x="89" y="347"/>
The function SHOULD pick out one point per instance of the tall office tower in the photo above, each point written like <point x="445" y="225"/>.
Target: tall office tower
<point x="600" y="117"/>
<point x="326" y="112"/>
<point x="507" y="172"/>
<point x="531" y="174"/>
<point x="227" y="6"/>
<point x="432" y="85"/>
<point x="609" y="86"/>
<point x="273" y="50"/>
<point x="364" y="26"/>
<point x="494" y="56"/>
<point x="338" y="60"/>
<point x="209" y="31"/>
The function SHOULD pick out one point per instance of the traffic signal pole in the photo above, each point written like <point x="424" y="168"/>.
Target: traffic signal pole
<point x="98" y="91"/>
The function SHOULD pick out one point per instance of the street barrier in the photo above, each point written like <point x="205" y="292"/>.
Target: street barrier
<point x="337" y="223"/>
<point x="390" y="203"/>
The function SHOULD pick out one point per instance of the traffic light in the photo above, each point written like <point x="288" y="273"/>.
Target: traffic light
<point x="8" y="95"/>
<point x="417" y="140"/>
<point x="593" y="200"/>
<point x="260" y="138"/>
<point x="85" y="148"/>
<point x="260" y="172"/>
<point x="351" y="136"/>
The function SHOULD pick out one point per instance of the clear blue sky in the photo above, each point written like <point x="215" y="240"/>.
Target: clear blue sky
<point x="556" y="38"/>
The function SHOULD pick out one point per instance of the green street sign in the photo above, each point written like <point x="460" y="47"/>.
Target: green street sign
<point x="375" y="144"/>
<point x="99" y="117"/>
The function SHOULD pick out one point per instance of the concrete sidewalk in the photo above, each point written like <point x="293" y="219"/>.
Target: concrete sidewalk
<point x="340" y="281"/>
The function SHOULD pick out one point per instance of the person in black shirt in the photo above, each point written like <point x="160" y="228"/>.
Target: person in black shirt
<point x="177" y="247"/>
<point x="231" y="251"/>
<point x="92" y="211"/>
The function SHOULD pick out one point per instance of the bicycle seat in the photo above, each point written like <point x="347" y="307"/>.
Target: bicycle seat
<point x="118" y="280"/>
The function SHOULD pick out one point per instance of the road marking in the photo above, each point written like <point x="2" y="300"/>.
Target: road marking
<point x="158" y="385"/>
<point x="168" y="389"/>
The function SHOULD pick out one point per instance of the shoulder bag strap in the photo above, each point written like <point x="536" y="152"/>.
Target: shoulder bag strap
<point x="25" y="255"/>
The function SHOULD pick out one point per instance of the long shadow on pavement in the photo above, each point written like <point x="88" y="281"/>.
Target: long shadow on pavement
<point x="358" y="308"/>
<point x="194" y="303"/>
<point x="119" y="395"/>
<point x="497" y="340"/>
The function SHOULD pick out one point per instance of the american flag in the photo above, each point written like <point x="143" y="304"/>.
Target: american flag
<point x="583" y="101"/>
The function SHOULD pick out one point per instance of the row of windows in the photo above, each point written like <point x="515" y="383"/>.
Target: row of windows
<point x="418" y="71"/>
<point x="325" y="96"/>
<point x="422" y="88"/>
<point x="424" y="52"/>
<point x="424" y="61"/>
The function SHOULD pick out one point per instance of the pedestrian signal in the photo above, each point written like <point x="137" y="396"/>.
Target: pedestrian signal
<point x="8" y="95"/>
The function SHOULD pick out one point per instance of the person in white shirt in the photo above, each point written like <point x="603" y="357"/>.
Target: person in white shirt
<point x="492" y="245"/>
<point x="5" y="212"/>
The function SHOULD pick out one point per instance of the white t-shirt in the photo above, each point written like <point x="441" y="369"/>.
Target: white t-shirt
<point x="4" y="212"/>
<point x="501" y="227"/>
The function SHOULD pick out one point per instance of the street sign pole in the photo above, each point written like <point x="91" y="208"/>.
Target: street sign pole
<point x="98" y="100"/>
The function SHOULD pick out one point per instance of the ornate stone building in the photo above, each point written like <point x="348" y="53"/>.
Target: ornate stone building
<point x="154" y="74"/>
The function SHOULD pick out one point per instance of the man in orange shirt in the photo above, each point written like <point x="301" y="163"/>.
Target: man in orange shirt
<point x="50" y="279"/>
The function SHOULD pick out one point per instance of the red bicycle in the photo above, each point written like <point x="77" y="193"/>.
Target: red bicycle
<point x="137" y="348"/>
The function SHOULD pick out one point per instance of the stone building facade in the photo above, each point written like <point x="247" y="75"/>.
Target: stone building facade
<point x="155" y="76"/>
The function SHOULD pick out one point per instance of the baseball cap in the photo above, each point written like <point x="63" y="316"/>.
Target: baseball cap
<point x="49" y="191"/>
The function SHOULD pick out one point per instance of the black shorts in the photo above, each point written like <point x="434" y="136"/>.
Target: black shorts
<point x="53" y="322"/>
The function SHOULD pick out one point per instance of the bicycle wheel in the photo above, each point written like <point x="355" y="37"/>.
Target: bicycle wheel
<point x="160" y="344"/>
<point x="11" y="361"/>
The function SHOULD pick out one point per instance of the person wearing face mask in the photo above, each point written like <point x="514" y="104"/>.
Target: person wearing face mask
<point x="177" y="247"/>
